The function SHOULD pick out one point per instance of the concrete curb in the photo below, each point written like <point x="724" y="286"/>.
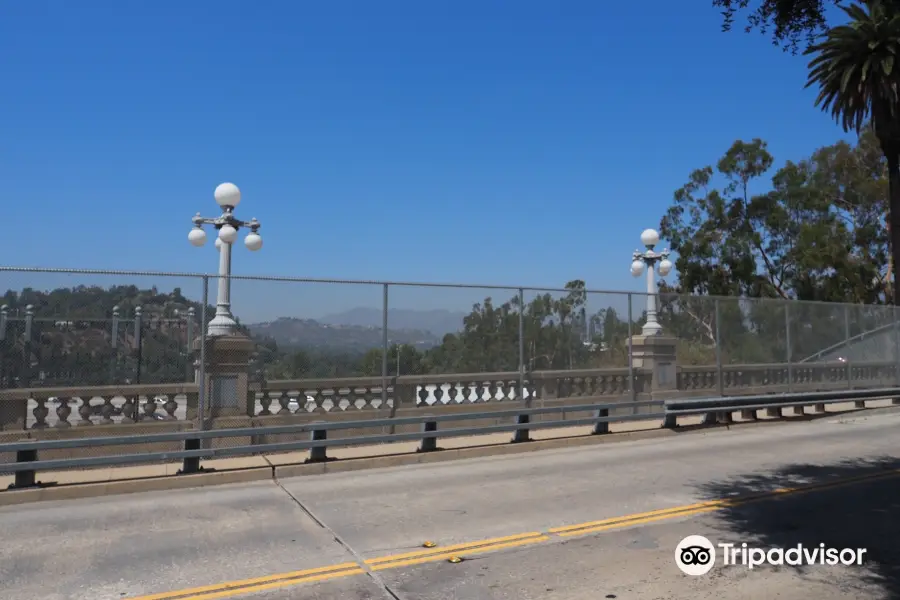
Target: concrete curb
<point x="210" y="478"/>
<point x="132" y="486"/>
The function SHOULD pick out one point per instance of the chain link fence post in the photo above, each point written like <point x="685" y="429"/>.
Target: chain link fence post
<point x="385" y="343"/>
<point x="114" y="345"/>
<point x="787" y="336"/>
<point x="189" y="366"/>
<point x="849" y="372"/>
<point x="631" y="387"/>
<point x="201" y="368"/>
<point x="4" y="319"/>
<point x="529" y="399"/>
<point x="27" y="346"/>
<point x="720" y="376"/>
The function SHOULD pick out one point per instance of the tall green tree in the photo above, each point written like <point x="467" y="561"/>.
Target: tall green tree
<point x="813" y="230"/>
<point x="855" y="69"/>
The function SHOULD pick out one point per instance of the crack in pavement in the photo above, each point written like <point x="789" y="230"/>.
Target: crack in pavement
<point x="337" y="538"/>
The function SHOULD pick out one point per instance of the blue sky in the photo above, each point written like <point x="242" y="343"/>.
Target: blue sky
<point x="517" y="142"/>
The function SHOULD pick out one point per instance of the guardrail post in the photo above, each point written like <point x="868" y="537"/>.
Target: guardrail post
<point x="774" y="412"/>
<point x="725" y="417"/>
<point x="25" y="479"/>
<point x="429" y="442"/>
<point x="859" y="404"/>
<point x="318" y="453"/>
<point x="710" y="418"/>
<point x="670" y="421"/>
<point x="819" y="408"/>
<point x="749" y="414"/>
<point x="601" y="427"/>
<point x="521" y="435"/>
<point x="191" y="464"/>
<point x="798" y="411"/>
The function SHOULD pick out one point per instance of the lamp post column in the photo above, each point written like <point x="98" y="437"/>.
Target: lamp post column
<point x="223" y="322"/>
<point x="652" y="327"/>
<point x="653" y="354"/>
<point x="226" y="351"/>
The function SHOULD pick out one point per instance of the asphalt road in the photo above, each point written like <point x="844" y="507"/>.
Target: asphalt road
<point x="582" y="523"/>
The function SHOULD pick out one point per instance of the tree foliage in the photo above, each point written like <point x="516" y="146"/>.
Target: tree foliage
<point x="790" y="22"/>
<point x="859" y="84"/>
<point x="818" y="233"/>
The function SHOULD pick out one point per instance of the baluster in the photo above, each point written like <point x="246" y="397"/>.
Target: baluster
<point x="107" y="411"/>
<point x="149" y="408"/>
<point x="128" y="409"/>
<point x="284" y="402"/>
<point x="265" y="401"/>
<point x="62" y="413"/>
<point x="40" y="413"/>
<point x="368" y="399"/>
<point x="453" y="393"/>
<point x="171" y="405"/>
<point x="84" y="411"/>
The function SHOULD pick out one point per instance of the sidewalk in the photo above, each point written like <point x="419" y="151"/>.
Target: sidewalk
<point x="268" y="463"/>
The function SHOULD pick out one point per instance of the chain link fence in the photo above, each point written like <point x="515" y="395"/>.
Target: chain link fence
<point x="82" y="348"/>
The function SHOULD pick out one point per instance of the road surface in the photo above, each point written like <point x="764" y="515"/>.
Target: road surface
<point x="574" y="524"/>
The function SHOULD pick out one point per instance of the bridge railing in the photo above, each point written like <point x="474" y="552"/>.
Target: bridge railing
<point x="135" y="410"/>
<point x="31" y="457"/>
<point x="60" y="408"/>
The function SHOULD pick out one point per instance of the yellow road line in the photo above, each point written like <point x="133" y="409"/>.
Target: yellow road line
<point x="446" y="555"/>
<point x="443" y="549"/>
<point x="394" y="561"/>
<point x="245" y="582"/>
<point x="274" y="585"/>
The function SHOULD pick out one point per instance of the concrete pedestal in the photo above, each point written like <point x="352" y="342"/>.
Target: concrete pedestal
<point x="656" y="353"/>
<point x="226" y="376"/>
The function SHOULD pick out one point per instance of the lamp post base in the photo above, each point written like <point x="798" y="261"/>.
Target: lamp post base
<point x="656" y="354"/>
<point x="222" y="325"/>
<point x="651" y="328"/>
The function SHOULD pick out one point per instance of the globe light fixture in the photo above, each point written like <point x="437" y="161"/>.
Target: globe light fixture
<point x="654" y="261"/>
<point x="227" y="196"/>
<point x="197" y="236"/>
<point x="228" y="234"/>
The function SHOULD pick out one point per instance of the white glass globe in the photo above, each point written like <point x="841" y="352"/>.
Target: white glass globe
<point x="227" y="234"/>
<point x="665" y="267"/>
<point x="197" y="237"/>
<point x="253" y="241"/>
<point x="218" y="244"/>
<point x="227" y="194"/>
<point x="649" y="237"/>
<point x="637" y="267"/>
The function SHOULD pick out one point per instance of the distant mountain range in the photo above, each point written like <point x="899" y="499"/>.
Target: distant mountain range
<point x="438" y="322"/>
<point x="307" y="333"/>
<point x="359" y="329"/>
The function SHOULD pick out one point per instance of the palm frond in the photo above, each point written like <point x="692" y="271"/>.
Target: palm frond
<point x="853" y="67"/>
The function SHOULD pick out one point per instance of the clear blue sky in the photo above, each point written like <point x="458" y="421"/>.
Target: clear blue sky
<point x="522" y="142"/>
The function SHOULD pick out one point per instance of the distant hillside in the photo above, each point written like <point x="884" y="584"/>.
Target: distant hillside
<point x="438" y="322"/>
<point x="307" y="333"/>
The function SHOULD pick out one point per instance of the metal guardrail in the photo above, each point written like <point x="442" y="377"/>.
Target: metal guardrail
<point x="27" y="463"/>
<point x="720" y="409"/>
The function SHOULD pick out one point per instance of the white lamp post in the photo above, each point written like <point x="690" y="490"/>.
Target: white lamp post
<point x="228" y="196"/>
<point x="650" y="258"/>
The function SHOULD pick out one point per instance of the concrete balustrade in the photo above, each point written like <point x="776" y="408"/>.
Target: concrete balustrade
<point x="71" y="412"/>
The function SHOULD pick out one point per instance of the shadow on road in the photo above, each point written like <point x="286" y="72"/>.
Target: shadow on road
<point x="863" y="514"/>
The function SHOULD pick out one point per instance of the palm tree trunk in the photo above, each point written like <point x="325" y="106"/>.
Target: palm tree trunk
<point x="893" y="159"/>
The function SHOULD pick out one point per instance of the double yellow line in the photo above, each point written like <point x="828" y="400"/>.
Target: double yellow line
<point x="395" y="561"/>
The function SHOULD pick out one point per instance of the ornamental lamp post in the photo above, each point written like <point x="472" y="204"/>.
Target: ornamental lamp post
<point x="651" y="259"/>
<point x="227" y="196"/>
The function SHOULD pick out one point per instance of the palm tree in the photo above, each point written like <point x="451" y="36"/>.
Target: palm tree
<point x="854" y="69"/>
